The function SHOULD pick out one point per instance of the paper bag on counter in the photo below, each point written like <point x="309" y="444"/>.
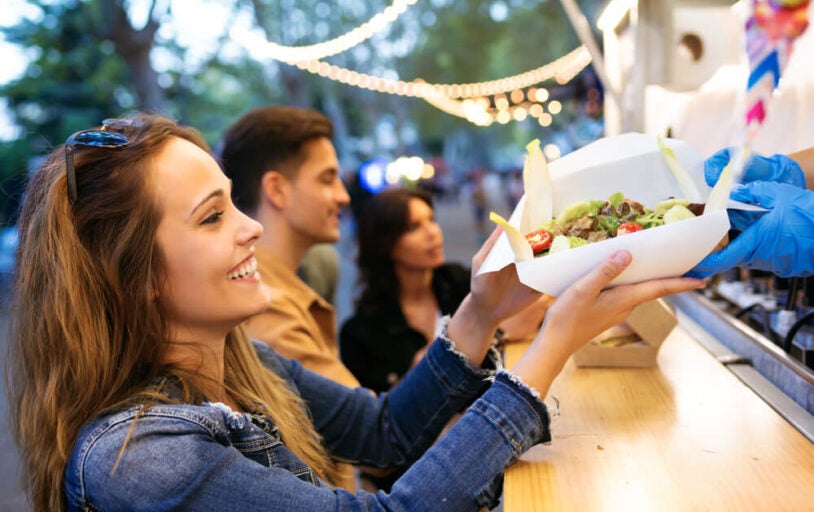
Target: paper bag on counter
<point x="634" y="344"/>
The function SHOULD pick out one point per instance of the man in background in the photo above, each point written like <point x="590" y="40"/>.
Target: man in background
<point x="285" y="174"/>
<point x="320" y="270"/>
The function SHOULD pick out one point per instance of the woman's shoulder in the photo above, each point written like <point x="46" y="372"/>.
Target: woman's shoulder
<point x="130" y="445"/>
<point x="453" y="272"/>
<point x="271" y="359"/>
<point x="111" y="429"/>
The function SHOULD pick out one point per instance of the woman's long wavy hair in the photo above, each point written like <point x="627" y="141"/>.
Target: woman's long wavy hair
<point x="86" y="330"/>
<point x="385" y="217"/>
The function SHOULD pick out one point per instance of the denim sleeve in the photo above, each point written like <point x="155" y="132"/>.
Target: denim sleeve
<point x="183" y="465"/>
<point x="395" y="428"/>
<point x="464" y="469"/>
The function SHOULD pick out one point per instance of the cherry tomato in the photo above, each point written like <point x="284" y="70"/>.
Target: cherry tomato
<point x="539" y="240"/>
<point x="628" y="227"/>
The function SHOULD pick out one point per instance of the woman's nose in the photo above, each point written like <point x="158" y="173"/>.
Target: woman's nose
<point x="250" y="230"/>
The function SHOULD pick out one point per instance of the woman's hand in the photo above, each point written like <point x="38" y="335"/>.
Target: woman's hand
<point x="583" y="311"/>
<point x="524" y="325"/>
<point x="493" y="297"/>
<point x="498" y="295"/>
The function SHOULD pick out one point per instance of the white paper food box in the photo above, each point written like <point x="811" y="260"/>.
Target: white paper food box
<point x="632" y="164"/>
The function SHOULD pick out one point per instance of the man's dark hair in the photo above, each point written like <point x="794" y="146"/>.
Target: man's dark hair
<point x="267" y="139"/>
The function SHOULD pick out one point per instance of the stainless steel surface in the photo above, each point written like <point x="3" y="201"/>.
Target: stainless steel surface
<point x="782" y="381"/>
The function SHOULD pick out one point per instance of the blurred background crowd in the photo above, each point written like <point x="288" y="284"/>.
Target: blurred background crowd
<point x="70" y="64"/>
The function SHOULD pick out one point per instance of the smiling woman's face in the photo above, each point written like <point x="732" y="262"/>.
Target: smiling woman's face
<point x="207" y="244"/>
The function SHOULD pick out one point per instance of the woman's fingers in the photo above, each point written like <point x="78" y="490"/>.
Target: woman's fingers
<point x="639" y="293"/>
<point x="601" y="276"/>
<point x="592" y="284"/>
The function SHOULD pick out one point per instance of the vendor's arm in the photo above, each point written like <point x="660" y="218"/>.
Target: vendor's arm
<point x="805" y="159"/>
<point x="779" y="240"/>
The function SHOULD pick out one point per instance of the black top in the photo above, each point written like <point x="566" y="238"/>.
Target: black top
<point x="377" y="345"/>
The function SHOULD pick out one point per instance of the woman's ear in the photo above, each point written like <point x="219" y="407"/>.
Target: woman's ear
<point x="275" y="188"/>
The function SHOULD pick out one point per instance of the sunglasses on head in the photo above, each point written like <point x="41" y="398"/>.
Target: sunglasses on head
<point x="108" y="136"/>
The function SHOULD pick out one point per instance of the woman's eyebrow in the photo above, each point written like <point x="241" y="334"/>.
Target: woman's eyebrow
<point x="215" y="193"/>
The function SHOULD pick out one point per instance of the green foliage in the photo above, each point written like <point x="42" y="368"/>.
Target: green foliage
<point x="14" y="155"/>
<point x="76" y="78"/>
<point x="465" y="43"/>
<point x="73" y="80"/>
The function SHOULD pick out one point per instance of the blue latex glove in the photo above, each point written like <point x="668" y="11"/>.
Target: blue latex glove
<point x="777" y="168"/>
<point x="779" y="241"/>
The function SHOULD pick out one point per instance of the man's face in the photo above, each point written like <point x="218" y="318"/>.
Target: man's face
<point x="316" y="195"/>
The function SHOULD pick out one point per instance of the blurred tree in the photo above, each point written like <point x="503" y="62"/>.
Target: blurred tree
<point x="483" y="40"/>
<point x="89" y="61"/>
<point x="133" y="45"/>
<point x="355" y="112"/>
<point x="72" y="81"/>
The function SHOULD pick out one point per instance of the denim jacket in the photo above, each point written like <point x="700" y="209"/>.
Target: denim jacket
<point x="207" y="457"/>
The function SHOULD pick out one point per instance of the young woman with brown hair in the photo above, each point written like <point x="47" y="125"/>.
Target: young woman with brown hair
<point x="133" y="386"/>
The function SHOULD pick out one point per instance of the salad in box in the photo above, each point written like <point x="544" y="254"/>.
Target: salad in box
<point x="631" y="191"/>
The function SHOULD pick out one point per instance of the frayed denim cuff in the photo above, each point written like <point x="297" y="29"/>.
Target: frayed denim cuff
<point x="492" y="363"/>
<point x="536" y="411"/>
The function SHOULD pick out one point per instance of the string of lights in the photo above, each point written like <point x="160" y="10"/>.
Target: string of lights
<point x="481" y="103"/>
<point x="481" y="111"/>
<point x="562" y="70"/>
<point x="308" y="53"/>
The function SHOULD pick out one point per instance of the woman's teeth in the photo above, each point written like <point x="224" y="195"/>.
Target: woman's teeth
<point x="246" y="270"/>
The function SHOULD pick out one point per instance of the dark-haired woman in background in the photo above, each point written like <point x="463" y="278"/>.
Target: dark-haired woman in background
<point x="406" y="288"/>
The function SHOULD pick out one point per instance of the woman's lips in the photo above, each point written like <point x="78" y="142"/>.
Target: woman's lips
<point x="244" y="269"/>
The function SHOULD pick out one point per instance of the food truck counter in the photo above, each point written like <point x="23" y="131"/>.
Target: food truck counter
<point x="686" y="434"/>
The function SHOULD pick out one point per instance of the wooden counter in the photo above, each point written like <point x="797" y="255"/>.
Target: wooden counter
<point x="684" y="435"/>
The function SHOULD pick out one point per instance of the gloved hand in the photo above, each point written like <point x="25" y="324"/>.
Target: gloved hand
<point x="779" y="241"/>
<point x="777" y="168"/>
